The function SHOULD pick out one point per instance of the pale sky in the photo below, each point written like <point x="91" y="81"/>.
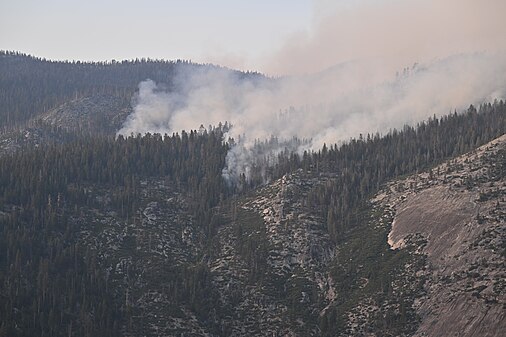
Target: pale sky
<point x="275" y="37"/>
<point x="221" y="31"/>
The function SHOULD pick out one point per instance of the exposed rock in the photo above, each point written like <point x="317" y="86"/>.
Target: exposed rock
<point x="459" y="208"/>
<point x="92" y="115"/>
<point x="97" y="114"/>
<point x="273" y="257"/>
<point x="142" y="254"/>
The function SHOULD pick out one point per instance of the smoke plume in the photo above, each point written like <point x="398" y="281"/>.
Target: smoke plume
<point x="391" y="63"/>
<point x="391" y="32"/>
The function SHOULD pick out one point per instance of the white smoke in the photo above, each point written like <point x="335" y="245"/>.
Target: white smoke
<point x="391" y="32"/>
<point x="327" y="108"/>
<point x="361" y="94"/>
<point x="154" y="108"/>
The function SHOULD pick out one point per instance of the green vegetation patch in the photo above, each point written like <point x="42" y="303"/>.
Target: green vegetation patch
<point x="367" y="270"/>
<point x="252" y="242"/>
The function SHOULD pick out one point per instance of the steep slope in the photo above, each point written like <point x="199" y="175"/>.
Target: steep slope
<point x="30" y="86"/>
<point x="458" y="211"/>
<point x="147" y="257"/>
<point x="143" y="237"/>
<point x="31" y="136"/>
<point x="271" y="265"/>
<point x="97" y="114"/>
<point x="265" y="273"/>
<point x="272" y="269"/>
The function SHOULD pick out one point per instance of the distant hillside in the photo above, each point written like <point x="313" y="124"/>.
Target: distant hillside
<point x="96" y="114"/>
<point x="31" y="85"/>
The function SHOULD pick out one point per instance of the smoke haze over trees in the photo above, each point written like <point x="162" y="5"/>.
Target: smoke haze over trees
<point x="47" y="187"/>
<point x="327" y="107"/>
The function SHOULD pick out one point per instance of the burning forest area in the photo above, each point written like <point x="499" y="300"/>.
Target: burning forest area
<point x="179" y="170"/>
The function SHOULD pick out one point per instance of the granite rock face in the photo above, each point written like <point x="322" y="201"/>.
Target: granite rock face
<point x="459" y="209"/>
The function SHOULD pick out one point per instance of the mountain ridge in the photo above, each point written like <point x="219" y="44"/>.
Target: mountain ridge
<point x="127" y="236"/>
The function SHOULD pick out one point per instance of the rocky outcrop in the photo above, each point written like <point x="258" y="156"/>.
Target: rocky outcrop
<point x="87" y="116"/>
<point x="458" y="209"/>
<point x="98" y="114"/>
<point x="144" y="257"/>
<point x="271" y="269"/>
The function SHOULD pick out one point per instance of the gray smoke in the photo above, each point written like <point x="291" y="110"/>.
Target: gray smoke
<point x="328" y="107"/>
<point x="371" y="89"/>
<point x="393" y="33"/>
<point x="153" y="110"/>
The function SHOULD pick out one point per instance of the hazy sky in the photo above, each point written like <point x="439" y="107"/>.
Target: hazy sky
<point x="459" y="46"/>
<point x="227" y="31"/>
<point x="272" y="36"/>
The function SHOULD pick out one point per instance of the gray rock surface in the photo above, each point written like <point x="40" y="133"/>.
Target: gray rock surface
<point x="459" y="208"/>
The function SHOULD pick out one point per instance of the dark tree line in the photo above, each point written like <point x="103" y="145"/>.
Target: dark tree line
<point x="50" y="285"/>
<point x="363" y="165"/>
<point x="32" y="177"/>
<point x="357" y="170"/>
<point x="30" y="85"/>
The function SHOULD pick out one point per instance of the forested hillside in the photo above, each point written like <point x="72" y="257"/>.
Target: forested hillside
<point x="53" y="282"/>
<point x="31" y="86"/>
